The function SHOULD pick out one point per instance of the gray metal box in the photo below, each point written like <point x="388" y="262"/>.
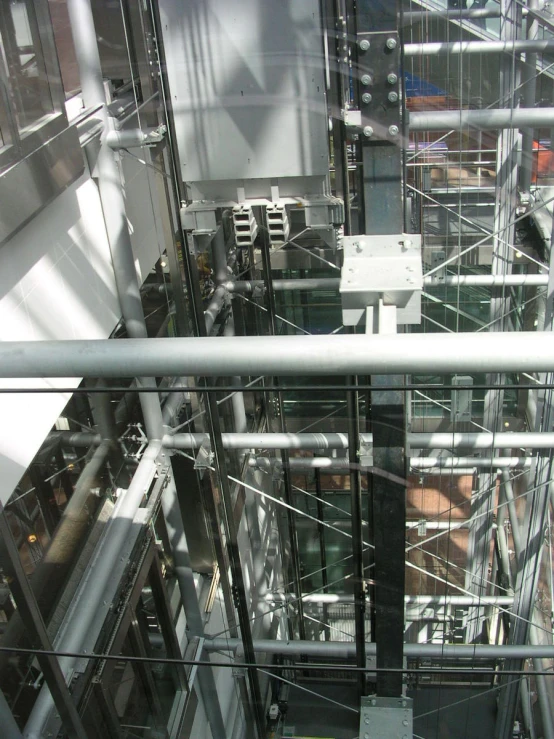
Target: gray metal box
<point x="387" y="267"/>
<point x="386" y="718"/>
<point x="247" y="87"/>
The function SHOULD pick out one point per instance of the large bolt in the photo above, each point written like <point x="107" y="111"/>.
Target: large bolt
<point x="391" y="43"/>
<point x="393" y="96"/>
<point x="368" y="131"/>
<point x="393" y="130"/>
<point x="392" y="78"/>
<point x="363" y="44"/>
<point x="366" y="80"/>
<point x="366" y="98"/>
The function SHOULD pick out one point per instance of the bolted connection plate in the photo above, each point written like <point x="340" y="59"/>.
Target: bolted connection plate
<point x="386" y="718"/>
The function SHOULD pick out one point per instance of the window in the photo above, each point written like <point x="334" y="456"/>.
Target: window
<point x="31" y="100"/>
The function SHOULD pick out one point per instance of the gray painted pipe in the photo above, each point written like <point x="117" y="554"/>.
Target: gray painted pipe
<point x="347" y="650"/>
<point x="280" y="355"/>
<point x="437" y="48"/>
<point x="485" y="120"/>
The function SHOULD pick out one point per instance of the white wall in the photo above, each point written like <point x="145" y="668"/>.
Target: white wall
<point x="57" y="282"/>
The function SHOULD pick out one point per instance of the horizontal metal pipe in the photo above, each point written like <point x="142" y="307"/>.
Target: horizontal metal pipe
<point x="419" y="600"/>
<point x="333" y="283"/>
<point x="341" y="464"/>
<point x="484" y="120"/>
<point x="347" y="650"/>
<point x="280" y="355"/>
<point x="484" y="440"/>
<point x="333" y="440"/>
<point x="479" y="47"/>
<point x="414" y="16"/>
<point x="487" y="280"/>
<point x="439" y="440"/>
<point x="261" y="441"/>
<point x="423" y="463"/>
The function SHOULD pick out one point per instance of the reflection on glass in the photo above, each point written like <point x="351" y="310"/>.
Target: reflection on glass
<point x="24" y="56"/>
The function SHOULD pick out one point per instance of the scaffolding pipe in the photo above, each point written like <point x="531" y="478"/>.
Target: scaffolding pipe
<point x="518" y="46"/>
<point x="485" y="120"/>
<point x="100" y="576"/>
<point x="347" y="650"/>
<point x="388" y="354"/>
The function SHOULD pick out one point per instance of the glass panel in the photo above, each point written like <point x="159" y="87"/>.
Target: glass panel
<point x="24" y="56"/>
<point x="65" y="47"/>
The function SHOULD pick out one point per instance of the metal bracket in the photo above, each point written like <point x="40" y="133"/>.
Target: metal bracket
<point x="365" y="453"/>
<point x="204" y="458"/>
<point x="135" y="137"/>
<point x="386" y="718"/>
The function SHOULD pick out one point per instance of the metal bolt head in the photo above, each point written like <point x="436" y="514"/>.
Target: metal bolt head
<point x="366" y="98"/>
<point x="363" y="44"/>
<point x="391" y="43"/>
<point x="366" y="79"/>
<point x="393" y="96"/>
<point x="368" y="131"/>
<point x="392" y="78"/>
<point x="393" y="130"/>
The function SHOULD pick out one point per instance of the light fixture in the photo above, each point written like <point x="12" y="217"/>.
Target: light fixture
<point x="506" y="424"/>
<point x="518" y="255"/>
<point x="162" y="263"/>
<point x="32" y="538"/>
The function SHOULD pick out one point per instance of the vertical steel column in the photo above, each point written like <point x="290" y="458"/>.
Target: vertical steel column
<point x="379" y="71"/>
<point x="287" y="488"/>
